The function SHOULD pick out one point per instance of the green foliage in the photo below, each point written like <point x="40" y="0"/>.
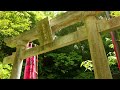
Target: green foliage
<point x="84" y="75"/>
<point x="69" y="29"/>
<point x="13" y="23"/>
<point x="112" y="58"/>
<point x="59" y="66"/>
<point x="5" y="71"/>
<point x="115" y="13"/>
<point x="87" y="64"/>
<point x="65" y="61"/>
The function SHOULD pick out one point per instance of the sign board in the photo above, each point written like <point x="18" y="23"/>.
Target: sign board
<point x="45" y="32"/>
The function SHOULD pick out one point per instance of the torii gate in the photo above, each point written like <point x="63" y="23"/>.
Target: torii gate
<point x="44" y="32"/>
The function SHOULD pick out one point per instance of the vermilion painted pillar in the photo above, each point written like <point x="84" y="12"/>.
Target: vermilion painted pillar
<point x="116" y="44"/>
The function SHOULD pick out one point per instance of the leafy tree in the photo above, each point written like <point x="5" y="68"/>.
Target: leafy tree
<point x="13" y="23"/>
<point x="5" y="71"/>
<point x="62" y="65"/>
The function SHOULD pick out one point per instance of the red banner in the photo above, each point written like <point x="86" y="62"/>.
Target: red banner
<point x="30" y="67"/>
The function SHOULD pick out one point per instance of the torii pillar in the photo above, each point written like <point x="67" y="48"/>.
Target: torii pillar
<point x="17" y="65"/>
<point x="98" y="55"/>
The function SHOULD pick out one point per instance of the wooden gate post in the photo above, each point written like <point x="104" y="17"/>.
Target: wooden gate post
<point x="17" y="65"/>
<point x="98" y="55"/>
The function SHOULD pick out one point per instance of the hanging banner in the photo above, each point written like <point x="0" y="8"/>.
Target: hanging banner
<point x="30" y="67"/>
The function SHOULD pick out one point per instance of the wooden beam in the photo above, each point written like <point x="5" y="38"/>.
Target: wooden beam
<point x="98" y="54"/>
<point x="66" y="40"/>
<point x="56" y="24"/>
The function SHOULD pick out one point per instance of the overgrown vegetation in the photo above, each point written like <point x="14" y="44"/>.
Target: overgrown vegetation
<point x="70" y="62"/>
